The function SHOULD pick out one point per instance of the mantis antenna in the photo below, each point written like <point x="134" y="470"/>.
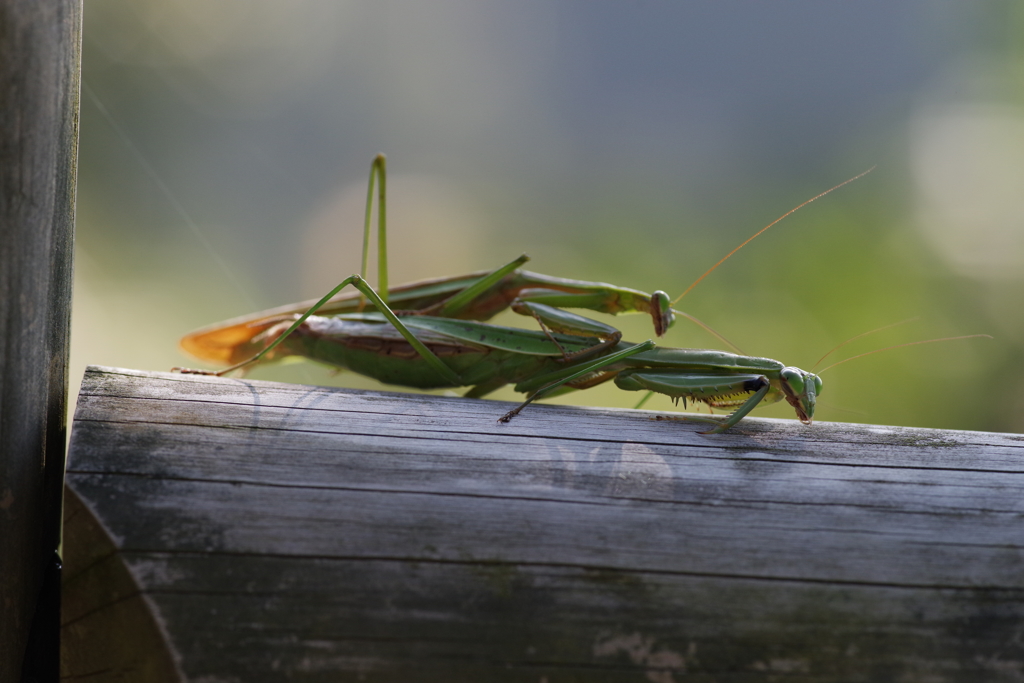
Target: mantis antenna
<point x="863" y="334"/>
<point x="899" y="346"/>
<point x="709" y="330"/>
<point x="749" y="239"/>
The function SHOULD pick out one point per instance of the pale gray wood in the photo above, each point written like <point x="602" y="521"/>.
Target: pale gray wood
<point x="39" y="75"/>
<point x="280" y="532"/>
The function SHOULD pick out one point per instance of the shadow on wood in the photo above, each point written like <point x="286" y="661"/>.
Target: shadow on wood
<point x="276" y="532"/>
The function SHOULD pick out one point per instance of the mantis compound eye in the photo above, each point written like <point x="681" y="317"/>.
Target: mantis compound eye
<point x="794" y="377"/>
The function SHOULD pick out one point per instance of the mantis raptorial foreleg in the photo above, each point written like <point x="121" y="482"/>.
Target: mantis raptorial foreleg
<point x="698" y="388"/>
<point x="579" y="371"/>
<point x="555" y="319"/>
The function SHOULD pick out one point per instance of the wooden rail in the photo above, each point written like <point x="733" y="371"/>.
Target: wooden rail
<point x="235" y="530"/>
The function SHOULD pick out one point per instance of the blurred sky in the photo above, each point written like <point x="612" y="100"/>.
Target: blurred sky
<point x="225" y="147"/>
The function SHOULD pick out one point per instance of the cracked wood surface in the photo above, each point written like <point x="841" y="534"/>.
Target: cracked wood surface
<point x="255" y="531"/>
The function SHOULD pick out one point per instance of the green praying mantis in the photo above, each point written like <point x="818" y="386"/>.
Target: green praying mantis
<point x="431" y="334"/>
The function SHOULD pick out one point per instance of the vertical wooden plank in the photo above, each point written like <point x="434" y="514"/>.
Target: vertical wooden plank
<point x="39" y="85"/>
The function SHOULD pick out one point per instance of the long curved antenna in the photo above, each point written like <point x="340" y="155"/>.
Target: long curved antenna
<point x="791" y="211"/>
<point x="863" y="334"/>
<point x="899" y="346"/>
<point x="709" y="330"/>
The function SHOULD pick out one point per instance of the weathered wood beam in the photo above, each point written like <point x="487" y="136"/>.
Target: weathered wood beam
<point x="226" y="529"/>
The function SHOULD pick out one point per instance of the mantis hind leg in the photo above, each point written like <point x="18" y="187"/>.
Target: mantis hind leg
<point x="531" y="288"/>
<point x="360" y="284"/>
<point x="379" y="171"/>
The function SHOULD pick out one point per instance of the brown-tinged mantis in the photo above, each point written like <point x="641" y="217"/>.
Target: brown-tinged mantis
<point x="474" y="296"/>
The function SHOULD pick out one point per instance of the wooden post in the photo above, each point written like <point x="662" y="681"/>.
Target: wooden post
<point x="39" y="80"/>
<point x="235" y="530"/>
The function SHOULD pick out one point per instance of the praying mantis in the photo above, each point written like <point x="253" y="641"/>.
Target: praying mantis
<point x="431" y="334"/>
<point x="409" y="350"/>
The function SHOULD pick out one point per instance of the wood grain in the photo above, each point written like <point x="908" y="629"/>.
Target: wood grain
<point x="279" y="532"/>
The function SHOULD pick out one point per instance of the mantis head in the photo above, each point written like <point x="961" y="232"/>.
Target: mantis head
<point x="801" y="389"/>
<point x="661" y="311"/>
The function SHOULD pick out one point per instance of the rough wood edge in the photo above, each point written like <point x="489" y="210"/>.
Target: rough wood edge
<point x="108" y="624"/>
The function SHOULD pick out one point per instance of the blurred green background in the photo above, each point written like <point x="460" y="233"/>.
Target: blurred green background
<point x="225" y="148"/>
